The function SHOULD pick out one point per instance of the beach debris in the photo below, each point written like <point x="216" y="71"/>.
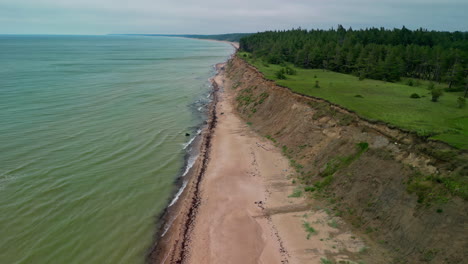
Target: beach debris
<point x="260" y="204"/>
<point x="261" y="146"/>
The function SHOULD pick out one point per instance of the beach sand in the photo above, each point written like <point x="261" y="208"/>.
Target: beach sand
<point x="230" y="225"/>
<point x="246" y="214"/>
<point x="238" y="208"/>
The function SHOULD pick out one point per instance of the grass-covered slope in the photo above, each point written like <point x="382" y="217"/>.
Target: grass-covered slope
<point x="378" y="100"/>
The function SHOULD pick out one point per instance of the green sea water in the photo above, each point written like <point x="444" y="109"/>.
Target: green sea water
<point x="92" y="136"/>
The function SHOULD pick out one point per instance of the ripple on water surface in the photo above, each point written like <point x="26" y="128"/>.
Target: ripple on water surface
<point x="92" y="134"/>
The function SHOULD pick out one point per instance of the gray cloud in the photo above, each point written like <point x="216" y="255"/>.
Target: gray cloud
<point x="221" y="16"/>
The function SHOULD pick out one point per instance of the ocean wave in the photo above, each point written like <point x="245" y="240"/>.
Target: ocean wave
<point x="190" y="162"/>
<point x="176" y="197"/>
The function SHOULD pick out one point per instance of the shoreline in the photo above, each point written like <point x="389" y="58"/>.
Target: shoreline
<point x="237" y="206"/>
<point x="176" y="220"/>
<point x="171" y="221"/>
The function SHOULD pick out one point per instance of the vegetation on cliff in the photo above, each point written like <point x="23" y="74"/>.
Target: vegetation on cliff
<point x="388" y="184"/>
<point x="393" y="103"/>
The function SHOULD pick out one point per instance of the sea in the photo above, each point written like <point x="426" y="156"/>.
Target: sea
<point x="93" y="139"/>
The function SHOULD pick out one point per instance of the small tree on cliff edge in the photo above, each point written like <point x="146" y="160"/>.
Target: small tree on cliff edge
<point x="281" y="74"/>
<point x="436" y="93"/>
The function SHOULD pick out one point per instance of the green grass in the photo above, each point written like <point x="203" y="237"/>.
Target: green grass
<point x="271" y="138"/>
<point x="378" y="100"/>
<point x="338" y="163"/>
<point x="309" y="229"/>
<point x="433" y="188"/>
<point x="296" y="194"/>
<point x="326" y="261"/>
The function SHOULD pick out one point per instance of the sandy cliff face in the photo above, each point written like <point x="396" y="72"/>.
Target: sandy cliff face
<point x="363" y="169"/>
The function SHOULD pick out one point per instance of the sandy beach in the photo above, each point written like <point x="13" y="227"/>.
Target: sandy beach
<point x="238" y="207"/>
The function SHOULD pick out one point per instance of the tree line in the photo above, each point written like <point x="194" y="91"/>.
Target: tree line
<point x="375" y="53"/>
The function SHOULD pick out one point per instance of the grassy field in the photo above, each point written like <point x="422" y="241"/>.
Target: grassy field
<point x="378" y="100"/>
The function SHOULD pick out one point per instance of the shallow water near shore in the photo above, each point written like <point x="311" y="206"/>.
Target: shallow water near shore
<point x="92" y="138"/>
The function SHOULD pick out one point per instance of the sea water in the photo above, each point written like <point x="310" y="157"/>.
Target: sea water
<point x="92" y="139"/>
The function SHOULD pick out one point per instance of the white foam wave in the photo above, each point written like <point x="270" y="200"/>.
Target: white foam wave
<point x="167" y="226"/>
<point x="190" y="163"/>
<point x="176" y="197"/>
<point x="189" y="142"/>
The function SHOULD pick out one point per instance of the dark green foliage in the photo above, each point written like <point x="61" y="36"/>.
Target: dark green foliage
<point x="375" y="53"/>
<point x="324" y="183"/>
<point x="245" y="97"/>
<point x="271" y="138"/>
<point x="309" y="229"/>
<point x="461" y="102"/>
<point x="430" y="86"/>
<point x="290" y="71"/>
<point x="326" y="261"/>
<point x="317" y="85"/>
<point x="262" y="98"/>
<point x="415" y="96"/>
<point x="281" y="74"/>
<point x="436" y="93"/>
<point x="363" y="146"/>
<point x="358" y="96"/>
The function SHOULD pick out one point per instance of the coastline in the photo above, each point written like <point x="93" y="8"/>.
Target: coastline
<point x="171" y="239"/>
<point x="177" y="218"/>
<point x="237" y="206"/>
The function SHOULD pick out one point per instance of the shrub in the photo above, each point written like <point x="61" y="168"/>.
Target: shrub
<point x="358" y="96"/>
<point x="317" y="85"/>
<point x="281" y="74"/>
<point x="325" y="261"/>
<point x="430" y="86"/>
<point x="436" y="93"/>
<point x="309" y="229"/>
<point x="296" y="194"/>
<point x="362" y="76"/>
<point x="410" y="82"/>
<point x="270" y="138"/>
<point x="461" y="102"/>
<point x="290" y="71"/>
<point x="415" y="96"/>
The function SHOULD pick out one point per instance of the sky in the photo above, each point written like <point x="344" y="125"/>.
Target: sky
<point x="97" y="17"/>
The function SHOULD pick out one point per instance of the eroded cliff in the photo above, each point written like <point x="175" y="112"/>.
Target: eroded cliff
<point x="401" y="190"/>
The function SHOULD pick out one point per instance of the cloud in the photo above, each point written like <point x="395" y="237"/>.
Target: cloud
<point x="221" y="16"/>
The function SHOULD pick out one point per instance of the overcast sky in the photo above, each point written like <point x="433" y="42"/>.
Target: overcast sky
<point x="222" y="16"/>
